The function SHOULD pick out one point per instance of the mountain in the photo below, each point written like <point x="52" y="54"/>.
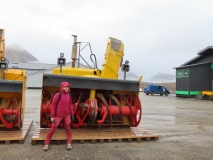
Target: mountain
<point x="15" y="53"/>
<point x="129" y="76"/>
<point x="161" y="77"/>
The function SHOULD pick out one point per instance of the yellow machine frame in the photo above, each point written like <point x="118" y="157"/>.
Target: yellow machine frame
<point x="10" y="79"/>
<point x="95" y="82"/>
<point x="110" y="68"/>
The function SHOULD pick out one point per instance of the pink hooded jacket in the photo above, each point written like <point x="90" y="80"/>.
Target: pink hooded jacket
<point x="64" y="107"/>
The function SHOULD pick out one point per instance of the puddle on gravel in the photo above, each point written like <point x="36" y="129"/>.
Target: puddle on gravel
<point x="170" y="110"/>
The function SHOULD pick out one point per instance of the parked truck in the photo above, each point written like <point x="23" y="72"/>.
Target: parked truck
<point x="156" y="89"/>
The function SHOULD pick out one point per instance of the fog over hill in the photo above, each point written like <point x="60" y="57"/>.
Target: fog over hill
<point x="15" y="53"/>
<point x="158" y="78"/>
<point x="129" y="75"/>
<point x="161" y="77"/>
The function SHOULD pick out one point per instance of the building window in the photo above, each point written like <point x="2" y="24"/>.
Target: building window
<point x="185" y="73"/>
<point x="182" y="73"/>
<point x="179" y="73"/>
<point x="212" y="65"/>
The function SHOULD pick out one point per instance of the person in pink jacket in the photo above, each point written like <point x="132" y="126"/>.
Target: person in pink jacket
<point x="61" y="109"/>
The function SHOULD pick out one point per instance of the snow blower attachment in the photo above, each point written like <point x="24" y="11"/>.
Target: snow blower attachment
<point x="99" y="98"/>
<point x="12" y="91"/>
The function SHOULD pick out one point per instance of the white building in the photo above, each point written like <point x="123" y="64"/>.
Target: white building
<point x="35" y="71"/>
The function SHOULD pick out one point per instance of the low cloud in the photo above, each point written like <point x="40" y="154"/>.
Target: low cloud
<point x="158" y="35"/>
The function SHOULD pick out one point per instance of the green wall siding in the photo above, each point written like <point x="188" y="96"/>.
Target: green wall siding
<point x="182" y="92"/>
<point x="192" y="93"/>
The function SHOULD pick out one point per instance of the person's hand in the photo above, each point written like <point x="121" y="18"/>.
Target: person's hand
<point x="53" y="120"/>
<point x="72" y="118"/>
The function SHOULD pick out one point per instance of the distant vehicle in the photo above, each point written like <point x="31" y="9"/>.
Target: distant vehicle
<point x="15" y="65"/>
<point x="156" y="89"/>
<point x="141" y="90"/>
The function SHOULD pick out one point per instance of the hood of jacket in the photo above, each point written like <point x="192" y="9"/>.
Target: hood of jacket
<point x="64" y="84"/>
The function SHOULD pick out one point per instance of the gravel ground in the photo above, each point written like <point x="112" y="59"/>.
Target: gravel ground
<point x="185" y="126"/>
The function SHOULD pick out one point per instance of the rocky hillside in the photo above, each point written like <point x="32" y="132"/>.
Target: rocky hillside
<point x="14" y="53"/>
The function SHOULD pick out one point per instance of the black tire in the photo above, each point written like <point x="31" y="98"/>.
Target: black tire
<point x="152" y="93"/>
<point x="161" y="94"/>
<point x="166" y="94"/>
<point x="147" y="93"/>
<point x="200" y="97"/>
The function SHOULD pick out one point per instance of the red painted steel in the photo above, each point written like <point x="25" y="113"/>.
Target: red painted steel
<point x="10" y="117"/>
<point x="121" y="106"/>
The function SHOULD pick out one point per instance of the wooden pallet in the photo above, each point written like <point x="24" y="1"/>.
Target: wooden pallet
<point x="83" y="135"/>
<point x="19" y="136"/>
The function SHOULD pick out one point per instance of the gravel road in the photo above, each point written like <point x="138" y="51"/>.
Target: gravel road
<point x="185" y="126"/>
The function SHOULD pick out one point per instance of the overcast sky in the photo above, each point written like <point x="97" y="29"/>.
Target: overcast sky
<point x="158" y="34"/>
